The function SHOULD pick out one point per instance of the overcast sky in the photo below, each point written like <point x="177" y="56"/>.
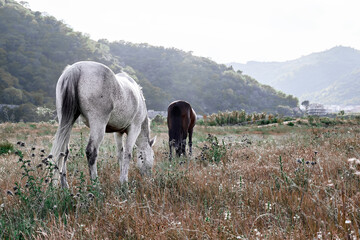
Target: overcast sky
<point x="223" y="30"/>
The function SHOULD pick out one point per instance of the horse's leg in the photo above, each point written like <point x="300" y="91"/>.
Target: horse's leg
<point x="178" y="147"/>
<point x="120" y="149"/>
<point x="171" y="143"/>
<point x="190" y="141"/>
<point x="97" y="132"/>
<point x="132" y="135"/>
<point x="183" y="145"/>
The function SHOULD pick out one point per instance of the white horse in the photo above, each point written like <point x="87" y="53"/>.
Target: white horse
<point x="107" y="103"/>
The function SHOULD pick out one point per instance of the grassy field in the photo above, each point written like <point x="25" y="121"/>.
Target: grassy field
<point x="243" y="182"/>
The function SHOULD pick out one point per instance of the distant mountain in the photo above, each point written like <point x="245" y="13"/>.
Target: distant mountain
<point x="35" y="48"/>
<point x="328" y="77"/>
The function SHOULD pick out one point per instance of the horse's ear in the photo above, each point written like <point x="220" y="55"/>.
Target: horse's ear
<point x="152" y="141"/>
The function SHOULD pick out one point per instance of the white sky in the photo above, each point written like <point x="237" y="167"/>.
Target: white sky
<point x="223" y="30"/>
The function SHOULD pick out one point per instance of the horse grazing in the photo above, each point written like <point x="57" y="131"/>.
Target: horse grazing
<point x="181" y="121"/>
<point x="106" y="103"/>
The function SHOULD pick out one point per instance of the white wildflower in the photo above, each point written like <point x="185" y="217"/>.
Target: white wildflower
<point x="330" y="184"/>
<point x="268" y="206"/>
<point x="220" y="187"/>
<point x="227" y="215"/>
<point x="348" y="221"/>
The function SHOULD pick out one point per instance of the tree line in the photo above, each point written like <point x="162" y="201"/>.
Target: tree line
<point x="36" y="47"/>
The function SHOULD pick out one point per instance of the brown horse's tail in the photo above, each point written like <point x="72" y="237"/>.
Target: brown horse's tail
<point x="176" y="131"/>
<point x="68" y="109"/>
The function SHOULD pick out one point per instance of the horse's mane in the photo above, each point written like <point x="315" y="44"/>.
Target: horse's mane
<point x="124" y="74"/>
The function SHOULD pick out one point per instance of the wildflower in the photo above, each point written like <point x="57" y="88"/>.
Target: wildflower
<point x="42" y="150"/>
<point x="33" y="148"/>
<point x="268" y="206"/>
<point x="348" y="221"/>
<point x="227" y="215"/>
<point x="299" y="160"/>
<point x="10" y="193"/>
<point x="91" y="196"/>
<point x="22" y="144"/>
<point x="307" y="162"/>
<point x="15" y="188"/>
<point x="316" y="152"/>
<point x="330" y="184"/>
<point x="18" y="143"/>
<point x="33" y="155"/>
<point x="313" y="163"/>
<point x="50" y="156"/>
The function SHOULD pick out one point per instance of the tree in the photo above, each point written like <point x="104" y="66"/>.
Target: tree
<point x="12" y="96"/>
<point x="306" y="104"/>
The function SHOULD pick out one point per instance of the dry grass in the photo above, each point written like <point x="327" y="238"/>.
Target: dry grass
<point x="272" y="183"/>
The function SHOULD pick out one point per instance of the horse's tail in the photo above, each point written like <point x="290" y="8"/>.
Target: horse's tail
<point x="176" y="124"/>
<point x="68" y="109"/>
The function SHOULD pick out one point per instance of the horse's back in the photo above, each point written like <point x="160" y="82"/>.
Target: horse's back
<point x="181" y="111"/>
<point x="107" y="97"/>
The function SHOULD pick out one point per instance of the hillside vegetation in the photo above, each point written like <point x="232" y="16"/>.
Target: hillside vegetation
<point x="35" y="48"/>
<point x="328" y="77"/>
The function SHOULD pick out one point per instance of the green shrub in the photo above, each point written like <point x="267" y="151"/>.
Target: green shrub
<point x="38" y="200"/>
<point x="212" y="151"/>
<point x="239" y="117"/>
<point x="6" y="147"/>
<point x="159" y="119"/>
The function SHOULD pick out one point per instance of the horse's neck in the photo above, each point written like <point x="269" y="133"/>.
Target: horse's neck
<point x="144" y="135"/>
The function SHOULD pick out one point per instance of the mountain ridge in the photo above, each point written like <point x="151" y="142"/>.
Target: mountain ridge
<point x="309" y="76"/>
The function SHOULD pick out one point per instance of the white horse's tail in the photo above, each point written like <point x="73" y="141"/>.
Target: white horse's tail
<point x="68" y="109"/>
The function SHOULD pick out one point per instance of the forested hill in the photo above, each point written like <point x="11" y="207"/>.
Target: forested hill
<point x="35" y="48"/>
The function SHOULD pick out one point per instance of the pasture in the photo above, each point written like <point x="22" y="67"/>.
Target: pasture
<point x="295" y="181"/>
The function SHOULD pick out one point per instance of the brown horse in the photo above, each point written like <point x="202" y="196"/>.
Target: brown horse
<point x="181" y="121"/>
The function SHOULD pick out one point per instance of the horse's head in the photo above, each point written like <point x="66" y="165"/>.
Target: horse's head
<point x="145" y="156"/>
